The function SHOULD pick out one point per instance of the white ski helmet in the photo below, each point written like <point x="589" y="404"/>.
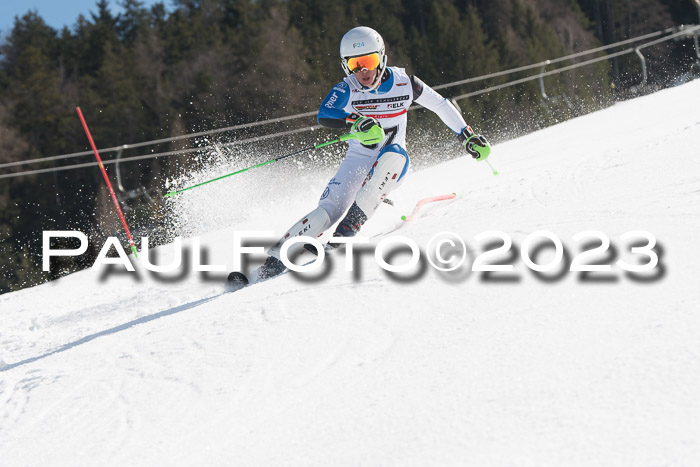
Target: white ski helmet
<point x="360" y="42"/>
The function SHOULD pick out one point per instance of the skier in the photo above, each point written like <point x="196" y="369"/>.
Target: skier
<point x="372" y="102"/>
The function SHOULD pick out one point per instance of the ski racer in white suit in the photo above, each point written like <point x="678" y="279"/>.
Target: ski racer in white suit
<point x="372" y="101"/>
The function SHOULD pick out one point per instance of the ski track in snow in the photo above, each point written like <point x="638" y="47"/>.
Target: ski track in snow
<point x="365" y="369"/>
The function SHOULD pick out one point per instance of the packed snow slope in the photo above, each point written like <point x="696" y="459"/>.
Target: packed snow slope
<point x="368" y="368"/>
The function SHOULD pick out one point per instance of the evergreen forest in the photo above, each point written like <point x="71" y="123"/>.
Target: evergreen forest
<point x="186" y="66"/>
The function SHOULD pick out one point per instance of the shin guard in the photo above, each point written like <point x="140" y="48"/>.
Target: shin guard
<point x="383" y="178"/>
<point x="312" y="225"/>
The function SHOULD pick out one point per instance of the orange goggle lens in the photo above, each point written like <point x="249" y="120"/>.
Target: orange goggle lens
<point x="369" y="62"/>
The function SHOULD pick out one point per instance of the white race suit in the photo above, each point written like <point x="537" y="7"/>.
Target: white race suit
<point x="389" y="104"/>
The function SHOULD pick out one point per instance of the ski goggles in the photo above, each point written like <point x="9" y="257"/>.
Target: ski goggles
<point x="365" y="62"/>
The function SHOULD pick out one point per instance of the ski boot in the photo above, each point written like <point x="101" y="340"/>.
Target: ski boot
<point x="272" y="267"/>
<point x="352" y="223"/>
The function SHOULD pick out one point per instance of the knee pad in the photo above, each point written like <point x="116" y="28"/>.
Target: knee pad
<point x="385" y="175"/>
<point x="312" y="225"/>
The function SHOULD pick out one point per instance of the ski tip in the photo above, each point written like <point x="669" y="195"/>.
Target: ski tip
<point x="238" y="277"/>
<point x="236" y="281"/>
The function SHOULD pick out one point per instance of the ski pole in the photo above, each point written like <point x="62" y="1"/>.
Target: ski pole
<point x="318" y="146"/>
<point x="109" y="185"/>
<point x="495" y="172"/>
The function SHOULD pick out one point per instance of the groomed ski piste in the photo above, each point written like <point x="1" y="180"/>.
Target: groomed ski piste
<point x="370" y="368"/>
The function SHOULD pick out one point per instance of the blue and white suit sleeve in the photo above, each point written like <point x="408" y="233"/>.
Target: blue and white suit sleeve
<point x="432" y="100"/>
<point x="331" y="114"/>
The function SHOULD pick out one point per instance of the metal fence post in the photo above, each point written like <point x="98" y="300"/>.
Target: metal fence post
<point x="644" y="65"/>
<point x="118" y="170"/>
<point x="542" y="91"/>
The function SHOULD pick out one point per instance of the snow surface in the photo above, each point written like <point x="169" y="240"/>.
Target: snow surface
<point x="369" y="369"/>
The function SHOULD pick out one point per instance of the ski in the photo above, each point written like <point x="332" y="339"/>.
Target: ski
<point x="236" y="281"/>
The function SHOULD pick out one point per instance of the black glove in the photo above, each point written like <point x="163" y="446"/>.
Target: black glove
<point x="476" y="145"/>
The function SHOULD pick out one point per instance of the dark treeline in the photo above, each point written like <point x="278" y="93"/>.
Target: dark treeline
<point x="153" y="73"/>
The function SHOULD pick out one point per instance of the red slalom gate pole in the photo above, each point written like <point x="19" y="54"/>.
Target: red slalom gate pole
<point x="109" y="185"/>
